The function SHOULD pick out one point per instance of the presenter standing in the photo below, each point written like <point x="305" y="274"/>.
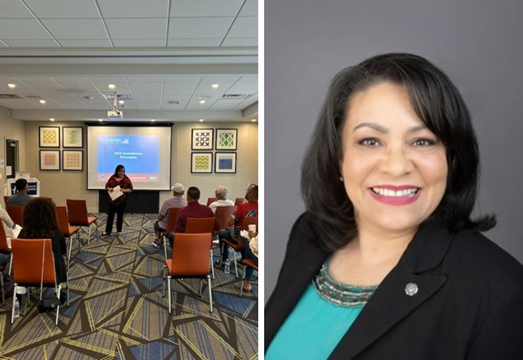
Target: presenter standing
<point x="118" y="186"/>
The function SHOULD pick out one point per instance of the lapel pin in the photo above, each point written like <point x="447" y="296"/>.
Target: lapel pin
<point x="411" y="289"/>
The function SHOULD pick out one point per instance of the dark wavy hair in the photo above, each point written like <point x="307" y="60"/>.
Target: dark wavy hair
<point x="118" y="168"/>
<point x="436" y="101"/>
<point x="40" y="219"/>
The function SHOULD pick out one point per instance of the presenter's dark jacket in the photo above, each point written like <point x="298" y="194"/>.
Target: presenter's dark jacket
<point x="469" y="303"/>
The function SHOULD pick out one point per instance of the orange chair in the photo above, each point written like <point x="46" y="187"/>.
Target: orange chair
<point x="66" y="229"/>
<point x="250" y="263"/>
<point x="223" y="214"/>
<point x="4" y="247"/>
<point x="30" y="256"/>
<point x="190" y="260"/>
<point x="239" y="246"/>
<point x="171" y="222"/>
<point x="239" y="201"/>
<point x="211" y="200"/>
<point x="77" y="213"/>
<point x="199" y="226"/>
<point x="16" y="213"/>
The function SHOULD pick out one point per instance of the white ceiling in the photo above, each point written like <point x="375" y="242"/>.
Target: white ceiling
<point x="67" y="52"/>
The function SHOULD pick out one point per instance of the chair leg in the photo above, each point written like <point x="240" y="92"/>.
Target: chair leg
<point x="210" y="291"/>
<point x="89" y="238"/>
<point x="236" y="265"/>
<point x="243" y="280"/>
<point x="10" y="264"/>
<point x="169" y="291"/>
<point x="13" y="308"/>
<point x="2" y="285"/>
<point x="212" y="265"/>
<point x="165" y="241"/>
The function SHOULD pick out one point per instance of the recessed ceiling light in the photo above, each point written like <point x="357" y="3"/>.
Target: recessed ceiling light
<point x="253" y="120"/>
<point x="100" y="120"/>
<point x="11" y="86"/>
<point x="215" y="86"/>
<point x="152" y="120"/>
<point x="121" y="102"/>
<point x="112" y="86"/>
<point x="51" y="119"/>
<point x="201" y="120"/>
<point x="42" y="101"/>
<point x="202" y="101"/>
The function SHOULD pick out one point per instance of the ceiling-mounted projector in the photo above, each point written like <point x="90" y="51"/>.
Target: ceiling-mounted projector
<point x="115" y="114"/>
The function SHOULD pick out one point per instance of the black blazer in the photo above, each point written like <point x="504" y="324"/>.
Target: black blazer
<point x="469" y="303"/>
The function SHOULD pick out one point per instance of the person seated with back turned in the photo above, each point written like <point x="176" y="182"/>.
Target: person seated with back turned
<point x="40" y="222"/>
<point x="20" y="198"/>
<point x="192" y="210"/>
<point x="177" y="200"/>
<point x="248" y="209"/>
<point x="251" y="252"/>
<point x="8" y="224"/>
<point x="221" y="193"/>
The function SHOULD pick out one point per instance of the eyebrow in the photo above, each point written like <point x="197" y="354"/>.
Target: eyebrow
<point x="384" y="130"/>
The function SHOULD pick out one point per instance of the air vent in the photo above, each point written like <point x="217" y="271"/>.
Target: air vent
<point x="236" y="96"/>
<point x="9" y="97"/>
<point x="173" y="102"/>
<point x="119" y="97"/>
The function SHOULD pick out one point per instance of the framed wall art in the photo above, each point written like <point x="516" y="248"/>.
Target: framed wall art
<point x="72" y="160"/>
<point x="49" y="159"/>
<point x="49" y="136"/>
<point x="72" y="137"/>
<point x="226" y="139"/>
<point x="202" y="139"/>
<point x="201" y="163"/>
<point x="225" y="163"/>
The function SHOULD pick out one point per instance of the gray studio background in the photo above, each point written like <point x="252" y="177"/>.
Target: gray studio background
<point x="477" y="43"/>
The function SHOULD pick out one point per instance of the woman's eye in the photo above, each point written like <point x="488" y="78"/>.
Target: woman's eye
<point x="424" y="142"/>
<point x="369" y="142"/>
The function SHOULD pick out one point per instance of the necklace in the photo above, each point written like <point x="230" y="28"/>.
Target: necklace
<point x="340" y="294"/>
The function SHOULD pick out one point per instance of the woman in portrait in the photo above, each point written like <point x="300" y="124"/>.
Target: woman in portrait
<point x="118" y="182"/>
<point x="388" y="262"/>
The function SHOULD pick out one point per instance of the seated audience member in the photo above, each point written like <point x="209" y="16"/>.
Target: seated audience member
<point x="20" y="198"/>
<point x="221" y="193"/>
<point x="251" y="252"/>
<point x="177" y="200"/>
<point x="192" y="210"/>
<point x="40" y="222"/>
<point x="3" y="261"/>
<point x="248" y="209"/>
<point x="249" y="186"/>
<point x="8" y="224"/>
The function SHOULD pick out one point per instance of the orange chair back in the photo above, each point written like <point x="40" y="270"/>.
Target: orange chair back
<point x="63" y="222"/>
<point x="171" y="220"/>
<point x="223" y="214"/>
<point x="239" y="201"/>
<point x="211" y="200"/>
<point x="77" y="212"/>
<point x="248" y="221"/>
<point x="27" y="262"/>
<point x="191" y="255"/>
<point x="16" y="214"/>
<point x="3" y="241"/>
<point x="199" y="225"/>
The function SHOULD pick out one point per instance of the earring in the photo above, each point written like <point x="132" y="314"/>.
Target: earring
<point x="341" y="179"/>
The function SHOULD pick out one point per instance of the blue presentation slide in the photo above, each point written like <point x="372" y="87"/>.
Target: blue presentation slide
<point x="138" y="153"/>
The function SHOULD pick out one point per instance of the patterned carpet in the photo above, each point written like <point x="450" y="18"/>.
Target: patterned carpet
<point x="117" y="310"/>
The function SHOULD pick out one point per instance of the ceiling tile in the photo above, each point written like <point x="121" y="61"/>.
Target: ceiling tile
<point x="71" y="29"/>
<point x="3" y="44"/>
<point x="133" y="8"/>
<point x="86" y="43"/>
<point x="32" y="43"/>
<point x="144" y="79"/>
<point x="22" y="29"/>
<point x="250" y="8"/>
<point x="199" y="28"/>
<point x="192" y="8"/>
<point x="14" y="10"/>
<point x="132" y="29"/>
<point x="63" y="9"/>
<point x="222" y="104"/>
<point x="71" y="79"/>
<point x="194" y="42"/>
<point x="33" y="79"/>
<point x="244" y="27"/>
<point x="139" y="42"/>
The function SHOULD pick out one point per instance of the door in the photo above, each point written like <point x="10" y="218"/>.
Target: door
<point x="11" y="154"/>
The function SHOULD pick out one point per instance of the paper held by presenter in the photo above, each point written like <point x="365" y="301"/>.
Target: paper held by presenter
<point x="116" y="193"/>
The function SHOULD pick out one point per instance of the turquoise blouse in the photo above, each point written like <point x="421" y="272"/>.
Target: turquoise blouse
<point x="297" y="339"/>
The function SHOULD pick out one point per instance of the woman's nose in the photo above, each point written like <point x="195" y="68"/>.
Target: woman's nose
<point x="397" y="161"/>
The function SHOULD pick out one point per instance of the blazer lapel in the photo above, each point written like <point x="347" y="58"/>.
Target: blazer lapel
<point x="391" y="302"/>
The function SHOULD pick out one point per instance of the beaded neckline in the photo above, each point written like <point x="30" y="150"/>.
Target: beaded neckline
<point x="340" y="294"/>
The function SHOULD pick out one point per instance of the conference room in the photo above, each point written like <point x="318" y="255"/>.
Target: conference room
<point x="169" y="90"/>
